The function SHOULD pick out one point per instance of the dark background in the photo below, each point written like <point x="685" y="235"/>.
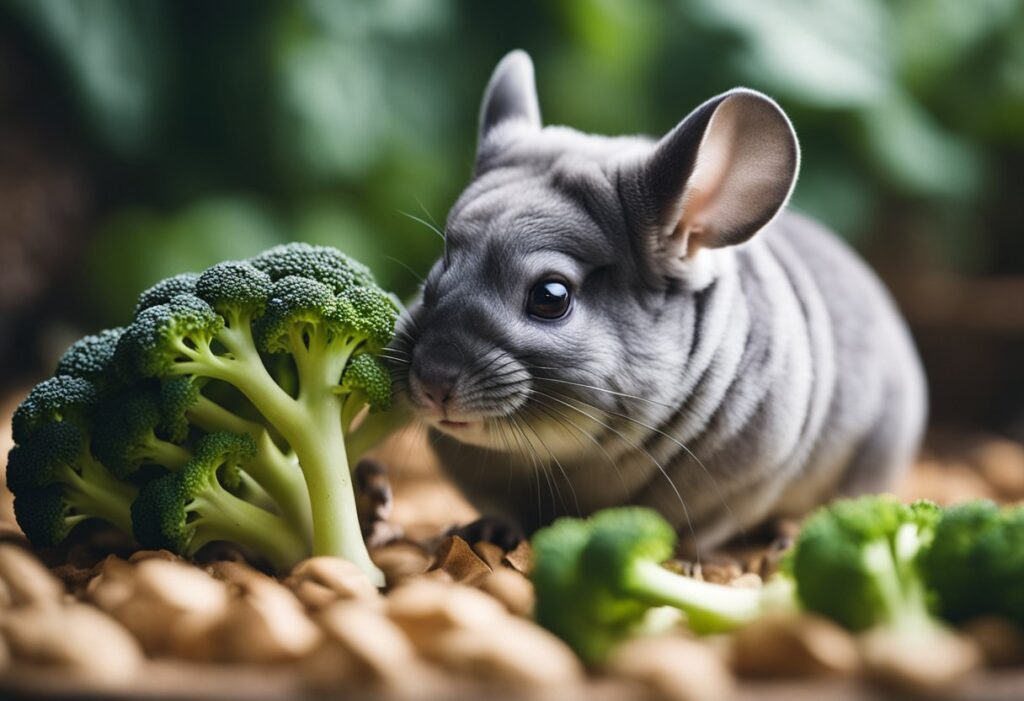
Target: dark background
<point x="140" y="138"/>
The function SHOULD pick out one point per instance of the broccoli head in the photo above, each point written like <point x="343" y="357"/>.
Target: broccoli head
<point x="60" y="398"/>
<point x="976" y="565"/>
<point x="90" y="357"/>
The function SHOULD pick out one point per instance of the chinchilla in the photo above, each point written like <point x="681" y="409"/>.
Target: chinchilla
<point x="628" y="321"/>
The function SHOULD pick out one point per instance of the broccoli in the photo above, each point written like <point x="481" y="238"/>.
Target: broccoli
<point x="976" y="564"/>
<point x="282" y="348"/>
<point x="597" y="579"/>
<point x="125" y="434"/>
<point x="854" y="561"/>
<point x="58" y="484"/>
<point x="323" y="322"/>
<point x="89" y="358"/>
<point x="188" y="509"/>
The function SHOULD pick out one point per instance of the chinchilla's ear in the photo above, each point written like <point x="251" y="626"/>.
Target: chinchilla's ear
<point x="510" y="97"/>
<point x="715" y="180"/>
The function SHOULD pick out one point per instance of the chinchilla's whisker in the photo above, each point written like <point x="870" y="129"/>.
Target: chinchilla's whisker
<point x="424" y="222"/>
<point x="419" y="278"/>
<point x="711" y="478"/>
<point x="564" y="419"/>
<point x="661" y="469"/>
<point x="624" y="395"/>
<point x="429" y="215"/>
<point x="525" y="454"/>
<point x="568" y="480"/>
<point x="542" y="467"/>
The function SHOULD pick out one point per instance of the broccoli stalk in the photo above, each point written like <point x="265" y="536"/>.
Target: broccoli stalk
<point x="188" y="509"/>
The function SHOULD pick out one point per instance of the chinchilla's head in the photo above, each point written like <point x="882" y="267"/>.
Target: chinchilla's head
<point x="570" y="261"/>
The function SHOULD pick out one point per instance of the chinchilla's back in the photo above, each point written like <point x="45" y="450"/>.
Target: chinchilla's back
<point x="827" y="397"/>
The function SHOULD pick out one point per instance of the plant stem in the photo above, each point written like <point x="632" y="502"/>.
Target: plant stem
<point x="710" y="608"/>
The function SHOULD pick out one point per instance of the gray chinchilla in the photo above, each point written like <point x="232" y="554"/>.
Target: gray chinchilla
<point x="626" y="321"/>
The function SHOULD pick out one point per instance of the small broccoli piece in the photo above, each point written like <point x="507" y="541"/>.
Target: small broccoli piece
<point x="125" y="434"/>
<point x="195" y="506"/>
<point x="182" y="406"/>
<point x="596" y="580"/>
<point x="855" y="562"/>
<point x="976" y="564"/>
<point x="57" y="399"/>
<point x="58" y="484"/>
<point x="90" y="357"/>
<point x="368" y="382"/>
<point x="165" y="290"/>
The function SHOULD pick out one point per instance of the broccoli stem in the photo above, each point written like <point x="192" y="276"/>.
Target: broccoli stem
<point x="321" y="452"/>
<point x="311" y="425"/>
<point x="899" y="582"/>
<point x="95" y="492"/>
<point x="168" y="455"/>
<point x="271" y="469"/>
<point x="220" y="515"/>
<point x="709" y="608"/>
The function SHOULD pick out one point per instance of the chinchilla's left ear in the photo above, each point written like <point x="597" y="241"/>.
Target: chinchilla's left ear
<point x="510" y="98"/>
<point x="715" y="180"/>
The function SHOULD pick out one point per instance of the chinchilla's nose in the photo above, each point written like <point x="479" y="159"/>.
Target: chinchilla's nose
<point x="436" y="382"/>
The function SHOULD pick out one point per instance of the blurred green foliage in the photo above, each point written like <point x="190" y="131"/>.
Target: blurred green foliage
<point x="219" y="128"/>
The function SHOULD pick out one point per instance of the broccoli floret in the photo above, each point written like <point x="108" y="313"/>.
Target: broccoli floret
<point x="184" y="406"/>
<point x="596" y="581"/>
<point x="186" y="510"/>
<point x="57" y="399"/>
<point x="125" y="434"/>
<point x="165" y="290"/>
<point x="322" y="311"/>
<point x="976" y="564"/>
<point x="90" y="358"/>
<point x="855" y="562"/>
<point x="58" y="484"/>
<point x="321" y="263"/>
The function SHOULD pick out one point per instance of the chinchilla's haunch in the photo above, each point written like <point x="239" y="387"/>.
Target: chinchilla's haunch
<point x="627" y="321"/>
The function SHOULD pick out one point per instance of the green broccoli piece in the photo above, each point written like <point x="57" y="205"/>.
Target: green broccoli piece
<point x="183" y="406"/>
<point x="125" y="434"/>
<point x="165" y="290"/>
<point x="186" y="510"/>
<point x="317" y="308"/>
<point x="57" y="399"/>
<point x="90" y="357"/>
<point x="58" y="484"/>
<point x="596" y="581"/>
<point x="976" y="565"/>
<point x="855" y="561"/>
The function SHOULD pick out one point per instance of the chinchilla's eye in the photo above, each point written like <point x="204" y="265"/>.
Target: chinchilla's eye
<point x="549" y="299"/>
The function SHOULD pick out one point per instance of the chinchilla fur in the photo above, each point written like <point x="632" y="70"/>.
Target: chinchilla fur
<point x="718" y="358"/>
